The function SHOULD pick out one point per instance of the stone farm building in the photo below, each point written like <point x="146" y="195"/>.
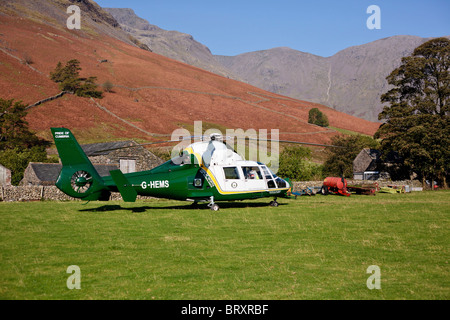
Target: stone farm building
<point x="104" y="156"/>
<point x="366" y="165"/>
<point x="5" y="176"/>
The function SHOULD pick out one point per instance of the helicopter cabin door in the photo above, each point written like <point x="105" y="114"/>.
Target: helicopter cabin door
<point x="241" y="178"/>
<point x="231" y="179"/>
<point x="253" y="176"/>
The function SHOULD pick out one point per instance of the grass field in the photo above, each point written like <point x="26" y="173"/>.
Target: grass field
<point x="309" y="248"/>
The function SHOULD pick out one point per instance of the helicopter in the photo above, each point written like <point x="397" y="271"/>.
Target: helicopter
<point x="204" y="171"/>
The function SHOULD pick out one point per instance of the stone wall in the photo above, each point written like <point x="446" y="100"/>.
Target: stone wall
<point x="59" y="95"/>
<point x="36" y="193"/>
<point x="31" y="193"/>
<point x="300" y="185"/>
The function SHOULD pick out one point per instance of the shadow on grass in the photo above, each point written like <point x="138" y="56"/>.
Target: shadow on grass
<point x="202" y="206"/>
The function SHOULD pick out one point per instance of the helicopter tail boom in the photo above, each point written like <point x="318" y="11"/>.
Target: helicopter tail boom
<point x="78" y="177"/>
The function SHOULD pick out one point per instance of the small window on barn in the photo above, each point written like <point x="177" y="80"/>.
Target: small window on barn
<point x="127" y="165"/>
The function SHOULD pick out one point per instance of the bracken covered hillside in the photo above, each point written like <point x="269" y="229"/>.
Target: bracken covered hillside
<point x="152" y="94"/>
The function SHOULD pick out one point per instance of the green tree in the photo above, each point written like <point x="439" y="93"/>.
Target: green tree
<point x="70" y="71"/>
<point x="317" y="117"/>
<point x="339" y="161"/>
<point x="17" y="160"/>
<point x="14" y="130"/>
<point x="88" y="88"/>
<point x="18" y="145"/>
<point x="416" y="117"/>
<point x="295" y="164"/>
<point x="68" y="78"/>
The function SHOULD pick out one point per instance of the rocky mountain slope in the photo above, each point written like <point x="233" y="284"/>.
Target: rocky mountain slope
<point x="172" y="44"/>
<point x="350" y="81"/>
<point x="152" y="95"/>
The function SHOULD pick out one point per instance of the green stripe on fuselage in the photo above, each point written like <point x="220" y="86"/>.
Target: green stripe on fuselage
<point x="177" y="182"/>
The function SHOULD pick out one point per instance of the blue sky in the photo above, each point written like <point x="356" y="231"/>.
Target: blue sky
<point x="321" y="27"/>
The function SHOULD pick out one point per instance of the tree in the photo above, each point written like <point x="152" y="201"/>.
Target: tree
<point x="17" y="160"/>
<point x="315" y="116"/>
<point x="295" y="165"/>
<point x="69" y="79"/>
<point x="14" y="130"/>
<point x="87" y="88"/>
<point x="18" y="145"/>
<point x="339" y="160"/>
<point x="417" y="115"/>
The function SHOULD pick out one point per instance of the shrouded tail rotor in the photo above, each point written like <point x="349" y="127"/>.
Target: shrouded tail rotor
<point x="81" y="181"/>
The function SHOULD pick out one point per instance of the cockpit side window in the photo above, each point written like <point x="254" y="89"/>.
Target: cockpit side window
<point x="252" y="173"/>
<point x="231" y="173"/>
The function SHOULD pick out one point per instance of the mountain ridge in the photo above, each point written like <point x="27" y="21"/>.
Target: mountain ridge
<point x="351" y="81"/>
<point x="152" y="95"/>
<point x="169" y="43"/>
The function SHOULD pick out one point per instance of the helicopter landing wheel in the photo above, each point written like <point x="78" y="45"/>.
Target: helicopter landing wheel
<point x="213" y="206"/>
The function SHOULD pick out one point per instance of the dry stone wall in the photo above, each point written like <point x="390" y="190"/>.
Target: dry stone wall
<point x="300" y="185"/>
<point x="36" y="193"/>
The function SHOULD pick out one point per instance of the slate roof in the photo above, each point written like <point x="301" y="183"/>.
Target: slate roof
<point x="104" y="148"/>
<point x="49" y="172"/>
<point x="367" y="160"/>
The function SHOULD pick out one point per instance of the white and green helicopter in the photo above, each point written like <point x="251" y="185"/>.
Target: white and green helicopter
<point x="205" y="171"/>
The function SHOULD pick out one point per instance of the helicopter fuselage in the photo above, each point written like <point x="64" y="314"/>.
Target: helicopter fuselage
<point x="200" y="173"/>
<point x="203" y="171"/>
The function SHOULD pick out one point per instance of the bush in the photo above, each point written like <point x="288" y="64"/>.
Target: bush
<point x="295" y="164"/>
<point x="27" y="59"/>
<point x="318" y="118"/>
<point x="107" y="86"/>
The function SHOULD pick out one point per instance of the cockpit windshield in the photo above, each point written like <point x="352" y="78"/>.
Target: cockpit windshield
<point x="267" y="173"/>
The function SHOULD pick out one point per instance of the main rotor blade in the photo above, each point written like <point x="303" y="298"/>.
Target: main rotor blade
<point x="238" y="137"/>
<point x="294" y="142"/>
<point x="145" y="144"/>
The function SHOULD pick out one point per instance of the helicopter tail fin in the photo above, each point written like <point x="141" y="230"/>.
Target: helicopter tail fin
<point x="78" y="177"/>
<point x="125" y="188"/>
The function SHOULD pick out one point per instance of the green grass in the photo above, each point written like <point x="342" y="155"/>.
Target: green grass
<point x="348" y="132"/>
<point x="310" y="248"/>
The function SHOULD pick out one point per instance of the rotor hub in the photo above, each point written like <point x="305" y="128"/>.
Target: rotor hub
<point x="81" y="181"/>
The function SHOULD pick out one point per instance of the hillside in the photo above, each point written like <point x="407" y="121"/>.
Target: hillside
<point x="172" y="44"/>
<point x="350" y="81"/>
<point x="282" y="70"/>
<point x="152" y="94"/>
